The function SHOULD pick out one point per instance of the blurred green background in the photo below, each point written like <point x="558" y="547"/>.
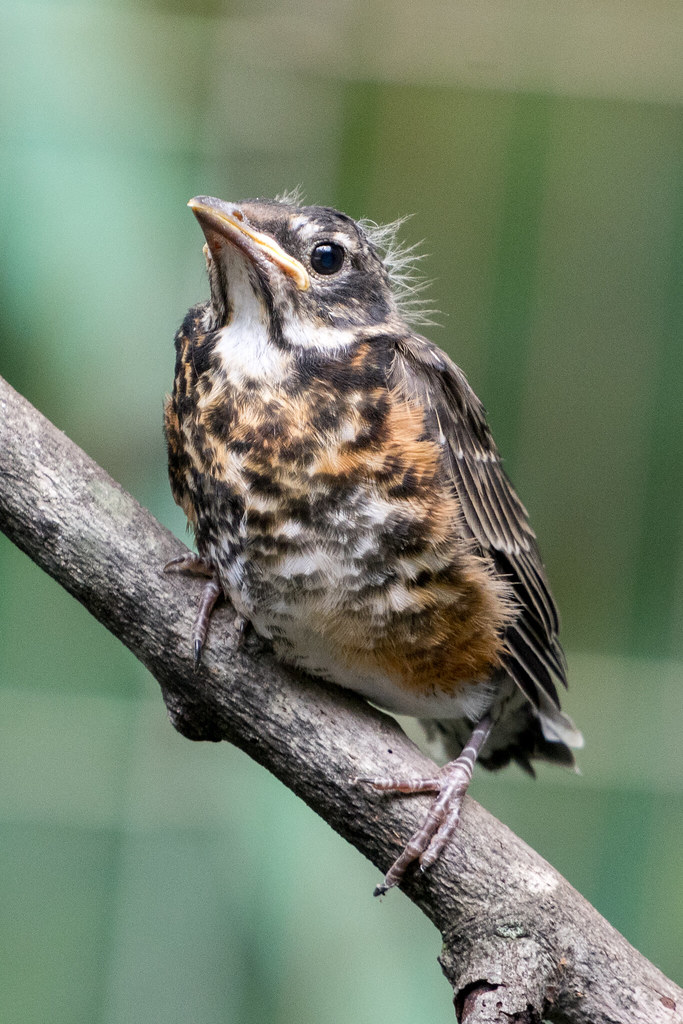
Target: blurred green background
<point x="540" y="147"/>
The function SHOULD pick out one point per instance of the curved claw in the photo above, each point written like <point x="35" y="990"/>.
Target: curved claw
<point x="244" y="628"/>
<point x="197" y="653"/>
<point x="210" y="594"/>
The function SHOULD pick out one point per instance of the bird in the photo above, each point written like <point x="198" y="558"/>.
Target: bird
<point x="347" y="497"/>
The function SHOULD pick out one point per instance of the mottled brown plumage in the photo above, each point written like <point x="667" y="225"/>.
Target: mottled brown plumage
<point x="345" y="490"/>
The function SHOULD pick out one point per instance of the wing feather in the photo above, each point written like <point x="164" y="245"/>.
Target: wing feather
<point x="493" y="514"/>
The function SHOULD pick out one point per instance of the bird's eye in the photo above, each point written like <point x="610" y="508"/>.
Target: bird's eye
<point x="327" y="258"/>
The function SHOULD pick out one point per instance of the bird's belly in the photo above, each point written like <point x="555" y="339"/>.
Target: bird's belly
<point x="307" y="649"/>
<point x="338" y="602"/>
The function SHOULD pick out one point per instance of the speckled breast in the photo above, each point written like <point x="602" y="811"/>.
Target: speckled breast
<point x="325" y="507"/>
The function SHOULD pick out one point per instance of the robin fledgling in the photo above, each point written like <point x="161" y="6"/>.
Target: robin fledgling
<point x="347" y="497"/>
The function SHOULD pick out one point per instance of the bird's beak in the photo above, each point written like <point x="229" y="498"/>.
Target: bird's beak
<point x="224" y="222"/>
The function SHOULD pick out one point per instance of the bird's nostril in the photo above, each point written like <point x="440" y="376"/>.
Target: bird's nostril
<point x="238" y="215"/>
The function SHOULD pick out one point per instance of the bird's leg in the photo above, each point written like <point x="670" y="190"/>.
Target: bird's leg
<point x="443" y="816"/>
<point x="195" y="565"/>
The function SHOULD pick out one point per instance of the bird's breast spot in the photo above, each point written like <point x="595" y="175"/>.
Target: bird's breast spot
<point x="292" y="529"/>
<point x="347" y="431"/>
<point x="263" y="503"/>
<point x="313" y="562"/>
<point x="377" y="510"/>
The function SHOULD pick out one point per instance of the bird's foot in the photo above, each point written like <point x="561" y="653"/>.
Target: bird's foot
<point x="443" y="816"/>
<point x="210" y="594"/>
<point x="195" y="565"/>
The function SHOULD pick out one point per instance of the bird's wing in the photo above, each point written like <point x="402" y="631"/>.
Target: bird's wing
<point x="493" y="514"/>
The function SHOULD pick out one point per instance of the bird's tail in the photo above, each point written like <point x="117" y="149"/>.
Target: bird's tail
<point x="522" y="734"/>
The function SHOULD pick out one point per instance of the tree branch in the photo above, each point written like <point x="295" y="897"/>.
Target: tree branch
<point x="519" y="943"/>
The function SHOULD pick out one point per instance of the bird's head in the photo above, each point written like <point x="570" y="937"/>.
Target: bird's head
<point x="309" y="276"/>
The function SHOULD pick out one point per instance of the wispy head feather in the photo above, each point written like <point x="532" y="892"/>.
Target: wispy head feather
<point x="292" y="197"/>
<point x="402" y="265"/>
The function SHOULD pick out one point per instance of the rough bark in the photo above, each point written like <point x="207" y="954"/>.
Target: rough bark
<point x="519" y="944"/>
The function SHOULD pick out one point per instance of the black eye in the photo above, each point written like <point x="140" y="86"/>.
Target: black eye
<point x="327" y="258"/>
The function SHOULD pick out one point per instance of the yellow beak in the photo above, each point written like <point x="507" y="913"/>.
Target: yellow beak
<point x="220" y="224"/>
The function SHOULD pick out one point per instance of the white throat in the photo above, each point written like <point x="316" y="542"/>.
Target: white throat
<point x="243" y="345"/>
